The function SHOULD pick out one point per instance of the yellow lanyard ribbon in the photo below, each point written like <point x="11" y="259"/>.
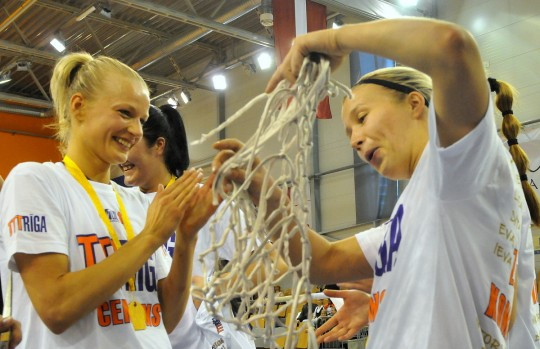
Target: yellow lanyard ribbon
<point x="79" y="176"/>
<point x="171" y="181"/>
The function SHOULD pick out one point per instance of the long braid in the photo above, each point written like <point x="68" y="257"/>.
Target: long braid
<point x="510" y="128"/>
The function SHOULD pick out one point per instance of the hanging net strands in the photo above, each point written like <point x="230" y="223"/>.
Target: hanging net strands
<point x="250" y="276"/>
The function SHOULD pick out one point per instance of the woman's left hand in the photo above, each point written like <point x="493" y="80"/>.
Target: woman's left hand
<point x="199" y="210"/>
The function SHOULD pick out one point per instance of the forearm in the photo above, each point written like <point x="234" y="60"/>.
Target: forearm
<point x="75" y="294"/>
<point x="174" y="290"/>
<point x="331" y="262"/>
<point x="425" y="44"/>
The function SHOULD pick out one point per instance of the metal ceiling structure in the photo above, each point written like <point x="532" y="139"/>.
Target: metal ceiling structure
<point x="173" y="44"/>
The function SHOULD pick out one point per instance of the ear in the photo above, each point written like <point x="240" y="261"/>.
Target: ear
<point x="76" y="106"/>
<point x="417" y="103"/>
<point x="160" y="145"/>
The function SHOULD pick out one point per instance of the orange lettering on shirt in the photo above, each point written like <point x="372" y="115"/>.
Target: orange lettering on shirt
<point x="15" y="224"/>
<point x="105" y="242"/>
<point x="115" y="310"/>
<point x="513" y="272"/>
<point x="156" y="312"/>
<point x="104" y="320"/>
<point x="88" y="242"/>
<point x="147" y="309"/>
<point x="535" y="293"/>
<point x="374" y="303"/>
<point x="498" y="309"/>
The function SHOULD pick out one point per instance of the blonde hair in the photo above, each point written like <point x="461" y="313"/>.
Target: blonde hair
<point x="404" y="76"/>
<point x="510" y="128"/>
<point x="81" y="73"/>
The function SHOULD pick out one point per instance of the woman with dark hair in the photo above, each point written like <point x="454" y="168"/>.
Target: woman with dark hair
<point x="157" y="160"/>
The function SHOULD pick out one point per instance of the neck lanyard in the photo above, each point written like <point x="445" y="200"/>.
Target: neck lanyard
<point x="171" y="181"/>
<point x="79" y="176"/>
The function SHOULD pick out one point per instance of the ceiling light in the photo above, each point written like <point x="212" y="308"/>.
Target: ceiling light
<point x="186" y="97"/>
<point x="265" y="60"/>
<point x="172" y="101"/>
<point x="58" y="45"/>
<point x="23" y="65"/>
<point x="337" y="23"/>
<point x="408" y="3"/>
<point x="105" y="12"/>
<point x="219" y="81"/>
<point x="5" y="78"/>
<point x="85" y="13"/>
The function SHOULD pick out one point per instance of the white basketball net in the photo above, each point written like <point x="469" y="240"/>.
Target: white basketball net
<point x="289" y="114"/>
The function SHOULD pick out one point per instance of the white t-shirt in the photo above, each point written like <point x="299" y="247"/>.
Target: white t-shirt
<point x="444" y="273"/>
<point x="525" y="331"/>
<point x="44" y="210"/>
<point x="214" y="329"/>
<point x="186" y="335"/>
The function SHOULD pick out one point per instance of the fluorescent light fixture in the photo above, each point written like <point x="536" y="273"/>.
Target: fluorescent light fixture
<point x="337" y="23"/>
<point x="265" y="60"/>
<point x="172" y="102"/>
<point x="185" y="97"/>
<point x="59" y="46"/>
<point x="5" y="78"/>
<point x="85" y="13"/>
<point x="408" y="3"/>
<point x="219" y="81"/>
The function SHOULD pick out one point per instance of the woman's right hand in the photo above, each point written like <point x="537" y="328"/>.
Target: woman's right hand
<point x="321" y="41"/>
<point x="170" y="205"/>
<point x="227" y="148"/>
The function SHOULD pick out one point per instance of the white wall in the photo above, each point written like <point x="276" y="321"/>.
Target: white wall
<point x="507" y="32"/>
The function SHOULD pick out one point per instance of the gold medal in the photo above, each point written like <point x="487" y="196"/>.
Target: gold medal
<point x="137" y="315"/>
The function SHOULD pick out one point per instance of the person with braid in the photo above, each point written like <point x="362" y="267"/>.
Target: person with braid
<point x="452" y="265"/>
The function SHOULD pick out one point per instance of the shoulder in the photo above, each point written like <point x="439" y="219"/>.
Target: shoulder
<point x="47" y="172"/>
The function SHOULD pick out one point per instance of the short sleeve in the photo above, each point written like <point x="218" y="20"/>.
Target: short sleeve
<point x="461" y="169"/>
<point x="370" y="241"/>
<point x="32" y="219"/>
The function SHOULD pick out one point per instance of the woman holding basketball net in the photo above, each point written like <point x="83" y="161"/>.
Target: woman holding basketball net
<point x="454" y="266"/>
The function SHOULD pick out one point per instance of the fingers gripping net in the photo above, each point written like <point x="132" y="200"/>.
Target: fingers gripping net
<point x="251" y="274"/>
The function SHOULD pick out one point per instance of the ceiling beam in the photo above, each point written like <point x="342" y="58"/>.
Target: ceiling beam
<point x="50" y="59"/>
<point x="19" y="11"/>
<point x="198" y="21"/>
<point x="99" y="18"/>
<point x="177" y="43"/>
<point x="369" y="9"/>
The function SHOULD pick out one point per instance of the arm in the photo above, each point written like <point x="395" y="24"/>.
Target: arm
<point x="48" y="280"/>
<point x="174" y="290"/>
<point x="444" y="51"/>
<point x="331" y="261"/>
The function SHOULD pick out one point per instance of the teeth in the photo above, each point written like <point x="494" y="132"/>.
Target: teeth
<point x="123" y="142"/>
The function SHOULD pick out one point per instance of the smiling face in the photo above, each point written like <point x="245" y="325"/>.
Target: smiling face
<point x="387" y="132"/>
<point x="109" y="124"/>
<point x="144" y="164"/>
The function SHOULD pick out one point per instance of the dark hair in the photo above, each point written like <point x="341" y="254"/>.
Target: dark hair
<point x="510" y="128"/>
<point x="166" y="122"/>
